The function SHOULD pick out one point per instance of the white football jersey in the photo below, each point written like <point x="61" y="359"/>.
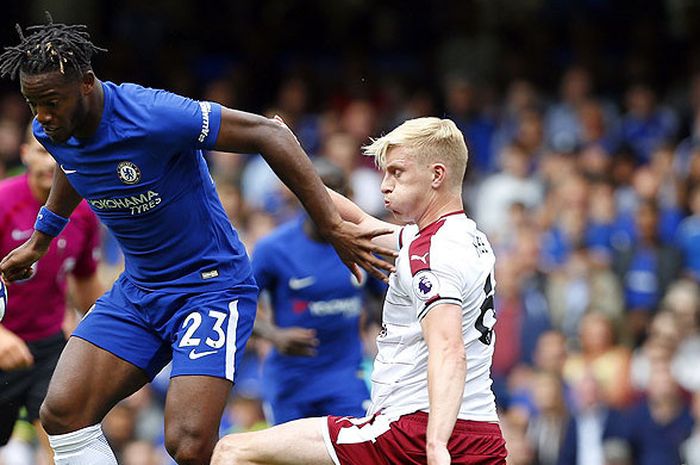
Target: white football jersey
<point x="449" y="261"/>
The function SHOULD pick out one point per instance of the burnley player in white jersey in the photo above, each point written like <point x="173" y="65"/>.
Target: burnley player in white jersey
<point x="431" y="388"/>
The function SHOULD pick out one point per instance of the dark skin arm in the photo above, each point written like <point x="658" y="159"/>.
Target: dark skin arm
<point x="245" y="132"/>
<point x="63" y="199"/>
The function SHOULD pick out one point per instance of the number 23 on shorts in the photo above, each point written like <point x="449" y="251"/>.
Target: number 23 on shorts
<point x="204" y="331"/>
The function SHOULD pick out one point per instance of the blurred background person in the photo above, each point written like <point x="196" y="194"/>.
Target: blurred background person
<point x="315" y="310"/>
<point x="31" y="334"/>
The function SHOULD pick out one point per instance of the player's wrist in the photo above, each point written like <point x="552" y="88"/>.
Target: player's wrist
<point x="435" y="443"/>
<point x="49" y="223"/>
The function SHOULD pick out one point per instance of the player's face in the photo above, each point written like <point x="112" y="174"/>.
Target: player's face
<point x="40" y="165"/>
<point x="406" y="185"/>
<point x="58" y="102"/>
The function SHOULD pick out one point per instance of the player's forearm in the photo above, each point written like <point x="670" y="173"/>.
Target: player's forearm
<point x="287" y="159"/>
<point x="63" y="199"/>
<point x="264" y="329"/>
<point x="447" y="368"/>
<point x="349" y="211"/>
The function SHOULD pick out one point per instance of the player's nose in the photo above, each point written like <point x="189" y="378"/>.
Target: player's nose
<point x="43" y="117"/>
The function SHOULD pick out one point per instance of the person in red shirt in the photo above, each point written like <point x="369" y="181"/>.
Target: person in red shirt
<point x="31" y="335"/>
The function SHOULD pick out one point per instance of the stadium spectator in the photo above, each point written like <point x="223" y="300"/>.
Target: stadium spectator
<point x="645" y="269"/>
<point x="590" y="426"/>
<point x="688" y="238"/>
<point x="603" y="357"/>
<point x="658" y="426"/>
<point x="646" y="125"/>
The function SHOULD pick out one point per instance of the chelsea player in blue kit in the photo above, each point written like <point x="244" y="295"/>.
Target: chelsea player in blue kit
<point x="187" y="293"/>
<point x="315" y="368"/>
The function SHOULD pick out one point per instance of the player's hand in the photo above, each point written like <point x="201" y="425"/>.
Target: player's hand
<point x="295" y="341"/>
<point x="14" y="353"/>
<point x="356" y="248"/>
<point x="17" y="265"/>
<point x="438" y="454"/>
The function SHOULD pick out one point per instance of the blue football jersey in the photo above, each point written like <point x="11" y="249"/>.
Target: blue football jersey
<point x="310" y="287"/>
<point x="144" y="175"/>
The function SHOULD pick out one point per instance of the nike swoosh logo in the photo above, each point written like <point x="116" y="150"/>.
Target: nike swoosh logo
<point x="18" y="234"/>
<point x="68" y="171"/>
<point x="300" y="283"/>
<point x="195" y="355"/>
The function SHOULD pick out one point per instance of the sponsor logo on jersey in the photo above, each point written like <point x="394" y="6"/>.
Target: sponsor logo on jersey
<point x="136" y="204"/>
<point x="425" y="285"/>
<point x="349" y="307"/>
<point x="128" y="172"/>
<point x="206" y="111"/>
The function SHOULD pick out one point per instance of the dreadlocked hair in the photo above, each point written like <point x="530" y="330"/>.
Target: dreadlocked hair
<point x="49" y="47"/>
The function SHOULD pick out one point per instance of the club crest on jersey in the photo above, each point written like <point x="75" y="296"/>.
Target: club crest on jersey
<point x="128" y="172"/>
<point x="425" y="285"/>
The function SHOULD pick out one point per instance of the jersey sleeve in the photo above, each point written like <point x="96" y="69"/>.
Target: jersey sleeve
<point x="439" y="285"/>
<point x="86" y="265"/>
<point x="183" y="122"/>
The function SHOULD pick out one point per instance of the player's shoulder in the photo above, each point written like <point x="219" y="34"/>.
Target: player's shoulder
<point x="461" y="238"/>
<point x="451" y="243"/>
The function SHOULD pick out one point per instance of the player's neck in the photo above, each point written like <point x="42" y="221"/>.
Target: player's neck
<point x="439" y="207"/>
<point x="93" y="118"/>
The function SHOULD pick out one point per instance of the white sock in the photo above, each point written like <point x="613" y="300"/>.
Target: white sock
<point x="87" y="446"/>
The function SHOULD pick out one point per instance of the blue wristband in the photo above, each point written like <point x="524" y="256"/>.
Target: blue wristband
<point x="49" y="223"/>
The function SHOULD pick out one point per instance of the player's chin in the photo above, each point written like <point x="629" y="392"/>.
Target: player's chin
<point x="58" y="136"/>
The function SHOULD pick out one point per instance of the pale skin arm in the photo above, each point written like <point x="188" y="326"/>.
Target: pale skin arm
<point x="447" y="369"/>
<point x="63" y="199"/>
<point x="249" y="133"/>
<point x="349" y="211"/>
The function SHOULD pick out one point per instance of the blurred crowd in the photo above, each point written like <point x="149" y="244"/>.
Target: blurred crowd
<point x="591" y="201"/>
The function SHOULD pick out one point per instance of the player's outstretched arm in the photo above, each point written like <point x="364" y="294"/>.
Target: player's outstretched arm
<point x="246" y="132"/>
<point x="63" y="199"/>
<point x="447" y="369"/>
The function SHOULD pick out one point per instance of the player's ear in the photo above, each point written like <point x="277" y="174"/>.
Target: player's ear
<point x="439" y="174"/>
<point x="87" y="82"/>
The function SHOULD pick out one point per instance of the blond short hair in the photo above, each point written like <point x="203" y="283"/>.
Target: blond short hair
<point x="429" y="140"/>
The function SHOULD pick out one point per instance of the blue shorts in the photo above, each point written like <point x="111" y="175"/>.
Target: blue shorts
<point x="343" y="396"/>
<point x="203" y="333"/>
